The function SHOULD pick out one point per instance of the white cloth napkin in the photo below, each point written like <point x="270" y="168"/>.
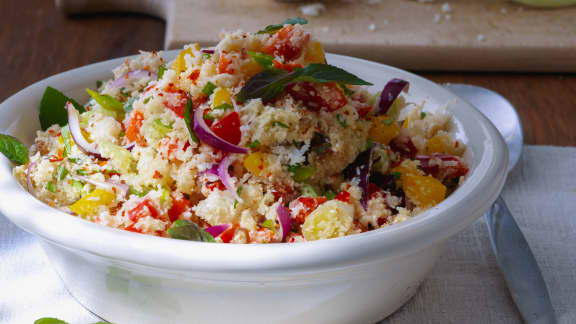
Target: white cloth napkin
<point x="464" y="287"/>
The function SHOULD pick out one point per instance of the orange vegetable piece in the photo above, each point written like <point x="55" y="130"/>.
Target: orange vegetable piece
<point x="424" y="191"/>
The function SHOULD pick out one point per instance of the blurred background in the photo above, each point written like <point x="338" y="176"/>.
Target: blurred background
<point x="524" y="53"/>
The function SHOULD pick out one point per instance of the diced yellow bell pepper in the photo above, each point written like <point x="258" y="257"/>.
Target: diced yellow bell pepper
<point x="315" y="53"/>
<point x="407" y="167"/>
<point x="250" y="69"/>
<point x="221" y="96"/>
<point x="256" y="163"/>
<point x="90" y="204"/>
<point x="424" y="191"/>
<point x="383" y="129"/>
<point x="179" y="64"/>
<point x="332" y="219"/>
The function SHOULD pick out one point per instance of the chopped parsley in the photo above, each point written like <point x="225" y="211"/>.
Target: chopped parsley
<point x="341" y="120"/>
<point x="51" y="186"/>
<point x="146" y="100"/>
<point x="329" y="195"/>
<point x="387" y="122"/>
<point x="269" y="224"/>
<point x="98" y="83"/>
<point x="253" y="144"/>
<point x="161" y="71"/>
<point x="81" y="172"/>
<point x="422" y="115"/>
<point x="396" y="175"/>
<point x="281" y="124"/>
<point x="62" y="173"/>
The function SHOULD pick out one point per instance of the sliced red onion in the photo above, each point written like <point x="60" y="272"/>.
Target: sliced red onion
<point x="208" y="50"/>
<point x="206" y="135"/>
<point x="360" y="168"/>
<point x="218" y="229"/>
<point x="391" y="91"/>
<point x="29" y="184"/>
<point x="285" y="219"/>
<point x="76" y="132"/>
<point x="130" y="146"/>
<point x="225" y="176"/>
<point x="108" y="184"/>
<point x="131" y="77"/>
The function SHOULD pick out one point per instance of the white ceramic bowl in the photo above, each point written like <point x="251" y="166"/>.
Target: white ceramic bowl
<point x="131" y="278"/>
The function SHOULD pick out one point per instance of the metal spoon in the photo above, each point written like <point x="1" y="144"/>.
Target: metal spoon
<point x="510" y="247"/>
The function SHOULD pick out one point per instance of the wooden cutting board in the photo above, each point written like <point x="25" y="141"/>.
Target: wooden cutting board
<point x="477" y="35"/>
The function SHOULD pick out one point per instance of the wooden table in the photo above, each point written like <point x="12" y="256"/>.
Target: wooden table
<point x="38" y="41"/>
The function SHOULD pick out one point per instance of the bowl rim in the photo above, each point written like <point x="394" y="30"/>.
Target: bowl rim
<point x="472" y="198"/>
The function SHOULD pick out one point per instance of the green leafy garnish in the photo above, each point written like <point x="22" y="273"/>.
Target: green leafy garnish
<point x="78" y="185"/>
<point x="65" y="132"/>
<point x="239" y="190"/>
<point x="422" y="115"/>
<point x="396" y="175"/>
<point x="49" y="320"/>
<point x="107" y="102"/>
<point x="73" y="160"/>
<point x="147" y="99"/>
<point x="265" y="61"/>
<point x="188" y="120"/>
<point x="183" y="229"/>
<point x="161" y="128"/>
<point x="387" y="122"/>
<point x="13" y="149"/>
<point x="301" y="173"/>
<point x="274" y="28"/>
<point x="341" y="120"/>
<point x="128" y="106"/>
<point x="142" y="193"/>
<point x="308" y="191"/>
<point x="62" y="172"/>
<point x="208" y="88"/>
<point x="81" y="172"/>
<point x="235" y="203"/>
<point x="124" y="93"/>
<point x="253" y="144"/>
<point x="281" y="124"/>
<point x="329" y="195"/>
<point x="161" y="71"/>
<point x="98" y="84"/>
<point x="209" y="116"/>
<point x="269" y="224"/>
<point x="270" y="83"/>
<point x="52" y="108"/>
<point x="225" y="106"/>
<point x="51" y="186"/>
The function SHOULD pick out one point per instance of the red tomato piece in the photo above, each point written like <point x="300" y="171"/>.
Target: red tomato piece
<point x="213" y="185"/>
<point x="343" y="196"/>
<point x="228" y="128"/>
<point x="228" y="234"/>
<point x="133" y="128"/>
<point x="289" y="67"/>
<point x="287" y="43"/>
<point x="143" y="209"/>
<point x="307" y="205"/>
<point x="316" y="96"/>
<point x="178" y="207"/>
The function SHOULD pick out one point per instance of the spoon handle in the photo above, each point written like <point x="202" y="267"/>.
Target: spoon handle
<point x="519" y="266"/>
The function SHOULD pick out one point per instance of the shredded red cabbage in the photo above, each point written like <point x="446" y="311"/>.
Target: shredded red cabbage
<point x="285" y="219"/>
<point x="215" y="231"/>
<point x="390" y="92"/>
<point x="206" y="135"/>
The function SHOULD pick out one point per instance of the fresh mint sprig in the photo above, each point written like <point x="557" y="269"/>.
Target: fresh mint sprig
<point x="270" y="29"/>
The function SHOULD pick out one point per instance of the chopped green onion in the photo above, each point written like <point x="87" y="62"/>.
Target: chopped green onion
<point x="329" y="195"/>
<point x="281" y="124"/>
<point x="65" y="131"/>
<point x="208" y="88"/>
<point x="81" y="172"/>
<point x="308" y="190"/>
<point x="62" y="172"/>
<point x="147" y="99"/>
<point x="206" y="56"/>
<point x="301" y="173"/>
<point x="422" y="115"/>
<point x="161" y="71"/>
<point x="387" y="122"/>
<point x="73" y="160"/>
<point x="51" y="186"/>
<point x="396" y="175"/>
<point x="235" y="203"/>
<point x="341" y="120"/>
<point x="142" y="193"/>
<point x="161" y="128"/>
<point x="253" y="144"/>
<point x="78" y="185"/>
<point x="239" y="190"/>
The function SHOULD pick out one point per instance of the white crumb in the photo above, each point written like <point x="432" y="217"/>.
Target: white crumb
<point x="372" y="27"/>
<point x="481" y="37"/>
<point x="313" y="9"/>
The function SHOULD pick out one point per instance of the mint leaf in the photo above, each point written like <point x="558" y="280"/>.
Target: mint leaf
<point x="186" y="230"/>
<point x="265" y="61"/>
<point x="49" y="320"/>
<point x="52" y="108"/>
<point x="13" y="149"/>
<point x="318" y="72"/>
<point x="188" y="120"/>
<point x="267" y="85"/>
<point x="270" y="29"/>
<point x="270" y="83"/>
<point x="107" y="102"/>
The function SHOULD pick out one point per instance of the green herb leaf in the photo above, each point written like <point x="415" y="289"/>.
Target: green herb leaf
<point x="107" y="102"/>
<point x="329" y="195"/>
<point x="422" y="115"/>
<point x="73" y="160"/>
<point x="49" y="320"/>
<point x="188" y="120"/>
<point x="347" y="91"/>
<point x="128" y="106"/>
<point x="147" y="99"/>
<point x="13" y="149"/>
<point x="235" y="203"/>
<point x="160" y="127"/>
<point x="62" y="172"/>
<point x="320" y="143"/>
<point x="270" y="83"/>
<point x="269" y="224"/>
<point x="267" y="85"/>
<point x="186" y="230"/>
<point x="78" y="185"/>
<point x="208" y="88"/>
<point x="341" y="120"/>
<point x="52" y="108"/>
<point x="387" y="122"/>
<point x="274" y="28"/>
<point x="65" y="133"/>
<point x="239" y="190"/>
<point x="253" y="144"/>
<point x="161" y="71"/>
<point x="81" y="172"/>
<point x="281" y="124"/>
<point x="308" y="191"/>
<point x="206" y="56"/>
<point x="225" y="106"/>
<point x="51" y="186"/>
<point x="98" y="83"/>
<point x="124" y="92"/>
<point x="264" y="60"/>
<point x="142" y="193"/>
<point x="396" y="175"/>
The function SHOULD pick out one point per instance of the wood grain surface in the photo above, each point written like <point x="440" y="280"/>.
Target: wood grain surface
<point x="38" y="41"/>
